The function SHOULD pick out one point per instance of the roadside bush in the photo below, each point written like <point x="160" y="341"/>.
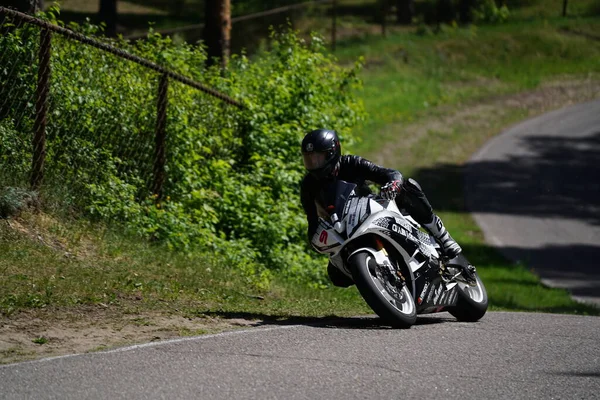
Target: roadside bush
<point x="232" y="175"/>
<point x="488" y="12"/>
<point x="448" y="11"/>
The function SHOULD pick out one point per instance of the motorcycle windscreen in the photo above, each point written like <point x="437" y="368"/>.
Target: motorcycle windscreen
<point x="336" y="194"/>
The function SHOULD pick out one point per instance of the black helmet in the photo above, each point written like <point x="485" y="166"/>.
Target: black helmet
<point x="321" y="152"/>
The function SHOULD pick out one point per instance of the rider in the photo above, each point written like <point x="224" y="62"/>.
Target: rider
<point x="321" y="153"/>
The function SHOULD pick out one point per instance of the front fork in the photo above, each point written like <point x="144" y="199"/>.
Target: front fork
<point x="394" y="275"/>
<point x="384" y="266"/>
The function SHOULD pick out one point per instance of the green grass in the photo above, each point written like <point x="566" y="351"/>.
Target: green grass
<point x="536" y="9"/>
<point x="408" y="75"/>
<point x="51" y="263"/>
<point x="40" y="340"/>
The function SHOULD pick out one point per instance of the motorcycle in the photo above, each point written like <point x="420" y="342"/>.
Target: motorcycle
<point x="397" y="267"/>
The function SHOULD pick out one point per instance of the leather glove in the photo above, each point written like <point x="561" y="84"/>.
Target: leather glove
<point x="391" y="189"/>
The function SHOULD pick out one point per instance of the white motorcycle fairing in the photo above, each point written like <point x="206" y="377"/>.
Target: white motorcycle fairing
<point x="364" y="219"/>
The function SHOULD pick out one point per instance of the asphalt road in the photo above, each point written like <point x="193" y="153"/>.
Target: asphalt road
<point x="535" y="192"/>
<point x="504" y="356"/>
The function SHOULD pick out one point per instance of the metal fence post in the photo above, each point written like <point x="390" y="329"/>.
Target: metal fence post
<point x="160" y="157"/>
<point x="41" y="110"/>
<point x="384" y="10"/>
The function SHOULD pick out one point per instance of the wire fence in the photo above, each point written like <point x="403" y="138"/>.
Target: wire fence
<point x="333" y="19"/>
<point x="77" y="112"/>
<point x="73" y="109"/>
<point x="318" y="16"/>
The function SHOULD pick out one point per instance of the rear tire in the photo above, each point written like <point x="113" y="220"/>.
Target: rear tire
<point x="472" y="302"/>
<point x="395" y="307"/>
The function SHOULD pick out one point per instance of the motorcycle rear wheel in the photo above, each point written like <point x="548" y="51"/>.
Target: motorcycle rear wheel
<point x="396" y="307"/>
<point x="472" y="302"/>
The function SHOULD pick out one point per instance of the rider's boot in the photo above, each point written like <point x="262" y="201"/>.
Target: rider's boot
<point x="449" y="246"/>
<point x="413" y="199"/>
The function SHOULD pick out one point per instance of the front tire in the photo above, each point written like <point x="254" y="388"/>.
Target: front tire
<point x="396" y="307"/>
<point x="472" y="301"/>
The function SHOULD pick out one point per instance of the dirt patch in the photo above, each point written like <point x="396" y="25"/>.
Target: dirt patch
<point x="53" y="332"/>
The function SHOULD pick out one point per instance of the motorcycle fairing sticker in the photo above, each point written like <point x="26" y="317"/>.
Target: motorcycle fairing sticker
<point x="358" y="210"/>
<point x="347" y="207"/>
<point x="415" y="234"/>
<point x="382" y="222"/>
<point x="393" y="230"/>
<point x="352" y="220"/>
<point x="405" y="228"/>
<point x="423" y="292"/>
<point x="363" y="206"/>
<point x="438" y="295"/>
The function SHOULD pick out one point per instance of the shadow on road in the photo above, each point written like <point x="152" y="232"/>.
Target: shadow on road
<point x="573" y="265"/>
<point x="548" y="177"/>
<point x="332" y="322"/>
<point x="590" y="374"/>
<point x="557" y="178"/>
<point x="499" y="278"/>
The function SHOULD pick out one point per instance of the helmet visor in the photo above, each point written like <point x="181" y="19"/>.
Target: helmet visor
<point x="314" y="160"/>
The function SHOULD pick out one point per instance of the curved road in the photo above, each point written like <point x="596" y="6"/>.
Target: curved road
<point x="504" y="356"/>
<point x="535" y="192"/>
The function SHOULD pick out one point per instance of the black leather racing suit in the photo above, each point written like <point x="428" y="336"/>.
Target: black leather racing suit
<point x="359" y="171"/>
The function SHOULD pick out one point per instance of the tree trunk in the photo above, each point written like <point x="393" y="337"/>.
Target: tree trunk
<point x="565" y="8"/>
<point x="217" y="31"/>
<point x="405" y="11"/>
<point x="445" y="12"/>
<point x="466" y="11"/>
<point x="37" y="5"/>
<point x="383" y="9"/>
<point x="108" y="15"/>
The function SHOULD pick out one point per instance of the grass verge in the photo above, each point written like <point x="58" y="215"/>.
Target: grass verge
<point x="51" y="263"/>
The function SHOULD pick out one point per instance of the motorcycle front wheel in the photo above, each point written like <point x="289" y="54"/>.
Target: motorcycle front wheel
<point x="393" y="305"/>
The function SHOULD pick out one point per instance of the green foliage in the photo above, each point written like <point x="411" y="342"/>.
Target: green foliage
<point x="232" y="175"/>
<point x="488" y="12"/>
<point x="15" y="154"/>
<point x="449" y="11"/>
<point x="40" y="340"/>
